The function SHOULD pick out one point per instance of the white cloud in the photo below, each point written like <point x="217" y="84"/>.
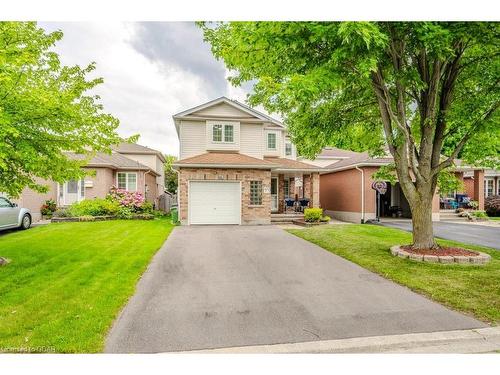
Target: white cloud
<point x="149" y="73"/>
<point x="138" y="91"/>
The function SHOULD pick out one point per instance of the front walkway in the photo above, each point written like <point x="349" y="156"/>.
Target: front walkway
<point x="226" y="286"/>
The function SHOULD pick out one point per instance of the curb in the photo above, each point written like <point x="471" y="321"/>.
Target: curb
<point x="480" y="340"/>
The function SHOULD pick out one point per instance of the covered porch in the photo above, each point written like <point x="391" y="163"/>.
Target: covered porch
<point x="292" y="192"/>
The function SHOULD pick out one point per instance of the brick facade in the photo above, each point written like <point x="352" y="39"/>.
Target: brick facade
<point x="249" y="214"/>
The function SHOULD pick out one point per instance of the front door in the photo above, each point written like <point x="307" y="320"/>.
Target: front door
<point x="274" y="194"/>
<point x="71" y="192"/>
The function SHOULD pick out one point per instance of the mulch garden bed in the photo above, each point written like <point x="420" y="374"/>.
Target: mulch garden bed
<point x="443" y="250"/>
<point x="304" y="223"/>
<point x="443" y="254"/>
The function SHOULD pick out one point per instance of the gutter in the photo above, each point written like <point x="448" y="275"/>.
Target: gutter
<point x="224" y="166"/>
<point x="362" y="194"/>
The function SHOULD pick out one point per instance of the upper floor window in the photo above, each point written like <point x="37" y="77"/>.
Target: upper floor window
<point x="127" y="181"/>
<point x="228" y="133"/>
<point x="288" y="149"/>
<point x="217" y="133"/>
<point x="223" y="133"/>
<point x="271" y="141"/>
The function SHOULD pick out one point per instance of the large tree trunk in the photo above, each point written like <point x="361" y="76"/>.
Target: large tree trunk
<point x="421" y="212"/>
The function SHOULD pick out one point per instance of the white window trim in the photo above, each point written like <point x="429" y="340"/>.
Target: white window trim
<point x="275" y="143"/>
<point x="486" y="186"/>
<point x="126" y="181"/>
<point x="291" y="148"/>
<point x="223" y="136"/>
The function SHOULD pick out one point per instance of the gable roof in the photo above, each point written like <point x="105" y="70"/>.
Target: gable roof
<point x="113" y="161"/>
<point x="134" y="148"/>
<point x="234" y="103"/>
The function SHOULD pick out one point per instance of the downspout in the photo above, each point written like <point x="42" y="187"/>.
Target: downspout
<point x="145" y="185"/>
<point x="362" y="194"/>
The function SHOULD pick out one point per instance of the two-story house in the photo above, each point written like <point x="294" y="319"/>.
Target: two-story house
<point x="237" y="166"/>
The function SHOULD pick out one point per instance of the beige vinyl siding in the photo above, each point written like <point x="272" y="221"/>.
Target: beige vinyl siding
<point x="192" y="137"/>
<point x="223" y="146"/>
<point x="250" y="140"/>
<point x="221" y="110"/>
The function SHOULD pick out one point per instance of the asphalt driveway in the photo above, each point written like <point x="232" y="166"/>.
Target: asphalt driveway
<point x="223" y="286"/>
<point x="474" y="234"/>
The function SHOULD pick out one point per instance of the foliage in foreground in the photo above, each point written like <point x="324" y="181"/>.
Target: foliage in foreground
<point x="46" y="109"/>
<point x="467" y="288"/>
<point x="415" y="90"/>
<point x="67" y="282"/>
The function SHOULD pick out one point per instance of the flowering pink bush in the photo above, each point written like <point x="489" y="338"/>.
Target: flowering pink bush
<point x="130" y="199"/>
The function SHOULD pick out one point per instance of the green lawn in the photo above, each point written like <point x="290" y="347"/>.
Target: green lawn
<point x="67" y="282"/>
<point x="471" y="289"/>
<point x="494" y="218"/>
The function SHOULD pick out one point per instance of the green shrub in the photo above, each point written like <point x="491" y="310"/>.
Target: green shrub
<point x="62" y="212"/>
<point x="146" y="207"/>
<point x="313" y="215"/>
<point x="124" y="213"/>
<point x="326" y="219"/>
<point x="94" y="207"/>
<point x="48" y="208"/>
<point x="480" y="214"/>
<point x="492" y="205"/>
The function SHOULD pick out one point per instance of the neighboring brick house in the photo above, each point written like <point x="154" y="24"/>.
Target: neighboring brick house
<point x="237" y="166"/>
<point x="346" y="192"/>
<point x="130" y="166"/>
<point x="488" y="178"/>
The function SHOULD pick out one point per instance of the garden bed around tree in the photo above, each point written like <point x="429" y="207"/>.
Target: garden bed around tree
<point x="444" y="254"/>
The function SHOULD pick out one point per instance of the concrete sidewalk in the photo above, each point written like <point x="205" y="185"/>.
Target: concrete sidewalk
<point x="482" y="340"/>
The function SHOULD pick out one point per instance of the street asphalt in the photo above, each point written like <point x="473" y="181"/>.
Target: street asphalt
<point x="474" y="234"/>
<point x="232" y="286"/>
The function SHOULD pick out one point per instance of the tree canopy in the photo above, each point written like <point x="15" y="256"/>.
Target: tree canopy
<point x="425" y="92"/>
<point x="45" y="111"/>
<point x="325" y="79"/>
<point x="170" y="174"/>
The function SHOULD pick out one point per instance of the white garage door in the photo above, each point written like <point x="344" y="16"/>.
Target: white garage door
<point x="214" y="202"/>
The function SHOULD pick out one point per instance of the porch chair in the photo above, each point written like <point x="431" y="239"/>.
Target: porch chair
<point x="304" y="203"/>
<point x="289" y="204"/>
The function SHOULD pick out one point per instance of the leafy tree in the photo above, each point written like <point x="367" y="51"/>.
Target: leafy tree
<point x="44" y="111"/>
<point x="424" y="91"/>
<point x="170" y="174"/>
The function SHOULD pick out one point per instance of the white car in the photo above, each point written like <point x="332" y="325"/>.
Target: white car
<point x="12" y="216"/>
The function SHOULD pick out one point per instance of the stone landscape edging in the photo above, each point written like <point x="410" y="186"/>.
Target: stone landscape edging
<point x="482" y="258"/>
<point x="304" y="223"/>
<point x="95" y="218"/>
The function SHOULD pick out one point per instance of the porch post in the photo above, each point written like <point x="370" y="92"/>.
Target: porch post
<point x="306" y="185"/>
<point x="315" y="189"/>
<point x="292" y="187"/>
<point x="281" y="193"/>
<point x="479" y="188"/>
